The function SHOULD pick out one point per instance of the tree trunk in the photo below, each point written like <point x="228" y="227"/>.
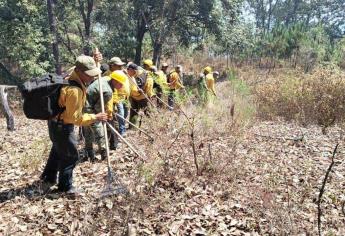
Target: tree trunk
<point x="157" y="52"/>
<point x="141" y="30"/>
<point x="87" y="23"/>
<point x="5" y="108"/>
<point x="54" y="32"/>
<point x="269" y="16"/>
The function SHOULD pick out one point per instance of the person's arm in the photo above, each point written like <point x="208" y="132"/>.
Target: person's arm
<point x="149" y="87"/>
<point x="109" y="107"/>
<point x="179" y="83"/>
<point x="74" y="105"/>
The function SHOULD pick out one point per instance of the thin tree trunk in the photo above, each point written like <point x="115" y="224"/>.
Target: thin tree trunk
<point x="87" y="23"/>
<point x="53" y="30"/>
<point x="157" y="50"/>
<point x="5" y="108"/>
<point x="141" y="30"/>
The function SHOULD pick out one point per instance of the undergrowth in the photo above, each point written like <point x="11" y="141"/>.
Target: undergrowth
<point x="316" y="98"/>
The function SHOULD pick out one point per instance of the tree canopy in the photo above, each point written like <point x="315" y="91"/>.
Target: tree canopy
<point x="38" y="38"/>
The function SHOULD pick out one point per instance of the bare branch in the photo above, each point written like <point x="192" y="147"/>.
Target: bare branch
<point x="322" y="190"/>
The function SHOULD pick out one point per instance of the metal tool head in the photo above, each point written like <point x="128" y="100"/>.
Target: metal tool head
<point x="113" y="186"/>
<point x="112" y="191"/>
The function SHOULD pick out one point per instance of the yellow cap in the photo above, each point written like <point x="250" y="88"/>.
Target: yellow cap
<point x="207" y="69"/>
<point x="119" y="76"/>
<point x="148" y="62"/>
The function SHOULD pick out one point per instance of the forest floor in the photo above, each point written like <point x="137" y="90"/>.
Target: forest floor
<point x="268" y="184"/>
<point x="254" y="177"/>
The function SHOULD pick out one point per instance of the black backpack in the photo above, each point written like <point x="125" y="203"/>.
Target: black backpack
<point x="169" y="75"/>
<point x="141" y="80"/>
<point x="41" y="96"/>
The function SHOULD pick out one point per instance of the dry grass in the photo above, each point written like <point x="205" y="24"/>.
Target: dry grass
<point x="315" y="98"/>
<point x="253" y="177"/>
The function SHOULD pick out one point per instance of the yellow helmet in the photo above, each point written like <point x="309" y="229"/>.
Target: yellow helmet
<point x="119" y="76"/>
<point x="148" y="62"/>
<point x="207" y="69"/>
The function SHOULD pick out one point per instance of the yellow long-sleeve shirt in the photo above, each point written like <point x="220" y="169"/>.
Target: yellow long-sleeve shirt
<point x="148" y="90"/>
<point x="162" y="80"/>
<point x="73" y="99"/>
<point x="210" y="83"/>
<point x="122" y="94"/>
<point x="175" y="81"/>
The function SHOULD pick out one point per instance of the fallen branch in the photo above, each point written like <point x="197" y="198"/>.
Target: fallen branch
<point x="176" y="138"/>
<point x="295" y="139"/>
<point x="322" y="190"/>
<point x="210" y="153"/>
<point x="192" y="136"/>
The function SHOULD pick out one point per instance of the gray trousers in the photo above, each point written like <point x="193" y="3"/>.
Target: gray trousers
<point x="94" y="133"/>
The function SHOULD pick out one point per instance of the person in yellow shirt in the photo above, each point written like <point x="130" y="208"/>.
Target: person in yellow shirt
<point x="121" y="91"/>
<point x="120" y="100"/>
<point x="209" y="79"/>
<point x="114" y="64"/>
<point x="156" y="83"/>
<point x="147" y="64"/>
<point x="164" y="68"/>
<point x="140" y="95"/>
<point x="162" y="83"/>
<point x="131" y="72"/>
<point x="174" y="83"/>
<point x="63" y="156"/>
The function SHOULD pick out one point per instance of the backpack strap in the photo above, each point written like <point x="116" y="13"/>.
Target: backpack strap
<point x="74" y="83"/>
<point x="141" y="80"/>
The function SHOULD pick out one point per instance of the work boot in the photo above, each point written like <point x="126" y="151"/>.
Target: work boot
<point x="45" y="185"/>
<point x="82" y="155"/>
<point x="90" y="155"/>
<point x="73" y="192"/>
<point x="103" y="154"/>
<point x="113" y="146"/>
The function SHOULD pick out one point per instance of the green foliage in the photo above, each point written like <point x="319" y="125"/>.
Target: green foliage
<point x="339" y="53"/>
<point x="237" y="84"/>
<point x="22" y="40"/>
<point x="281" y="30"/>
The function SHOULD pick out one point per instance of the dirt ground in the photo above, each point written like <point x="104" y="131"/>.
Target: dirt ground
<point x="268" y="185"/>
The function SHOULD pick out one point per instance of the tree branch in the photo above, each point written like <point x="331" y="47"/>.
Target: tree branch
<point x="322" y="190"/>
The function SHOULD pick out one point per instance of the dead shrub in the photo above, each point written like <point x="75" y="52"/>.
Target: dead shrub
<point x="316" y="98"/>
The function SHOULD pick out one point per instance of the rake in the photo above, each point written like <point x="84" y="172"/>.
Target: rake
<point x="111" y="177"/>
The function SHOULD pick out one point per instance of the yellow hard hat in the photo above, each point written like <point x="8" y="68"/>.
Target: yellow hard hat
<point x="119" y="76"/>
<point x="148" y="62"/>
<point x="207" y="69"/>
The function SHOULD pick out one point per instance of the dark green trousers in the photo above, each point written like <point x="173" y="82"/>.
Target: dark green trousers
<point x="136" y="106"/>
